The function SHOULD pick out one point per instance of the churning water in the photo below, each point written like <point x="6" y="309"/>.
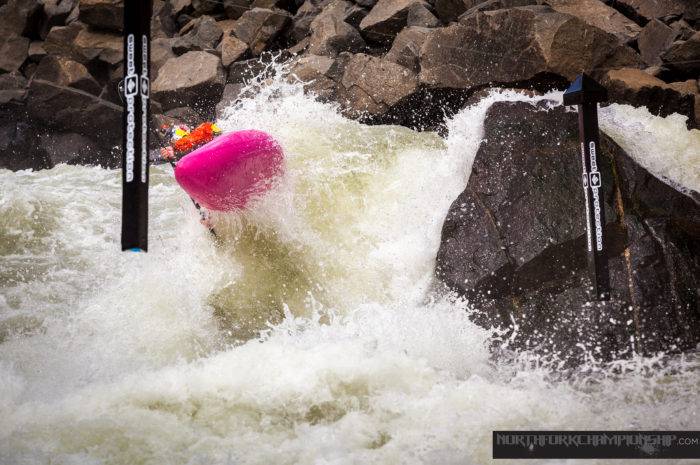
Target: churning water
<point x="309" y="334"/>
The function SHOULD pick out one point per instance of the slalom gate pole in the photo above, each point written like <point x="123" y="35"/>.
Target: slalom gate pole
<point x="586" y="93"/>
<point x="137" y="43"/>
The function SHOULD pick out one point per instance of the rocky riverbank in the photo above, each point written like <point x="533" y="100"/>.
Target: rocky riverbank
<point x="409" y="62"/>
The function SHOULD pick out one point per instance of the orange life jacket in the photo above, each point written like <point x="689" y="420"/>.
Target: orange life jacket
<point x="199" y="136"/>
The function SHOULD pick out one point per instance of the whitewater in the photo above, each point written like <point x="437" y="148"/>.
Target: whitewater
<point x="310" y="333"/>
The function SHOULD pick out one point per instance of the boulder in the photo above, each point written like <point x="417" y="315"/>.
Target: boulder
<point x="64" y="72"/>
<point x="260" y="27"/>
<point x="450" y="10"/>
<point x="19" y="147"/>
<point x="242" y="72"/>
<point x="646" y="10"/>
<point x="301" y="22"/>
<point x="230" y="96"/>
<point x="684" y="56"/>
<point x="635" y="87"/>
<point x="388" y="18"/>
<point x="515" y="45"/>
<point x="14" y="50"/>
<point x="20" y="18"/>
<point x="598" y="14"/>
<point x="36" y="51"/>
<point x="103" y="14"/>
<point x="690" y="87"/>
<point x="84" y="45"/>
<point x="490" y="5"/>
<point x="13" y="88"/>
<point x="232" y="49"/>
<point x="318" y="73"/>
<point x="64" y="96"/>
<point x="203" y="33"/>
<point x="514" y="244"/>
<point x="195" y="79"/>
<point x="161" y="52"/>
<point x="405" y="50"/>
<point x="179" y="7"/>
<point x="70" y="148"/>
<point x="654" y="39"/>
<point x="55" y="13"/>
<point x="331" y="33"/>
<point x="372" y="88"/>
<point x="235" y="8"/>
<point x="421" y="16"/>
<point x="205" y="7"/>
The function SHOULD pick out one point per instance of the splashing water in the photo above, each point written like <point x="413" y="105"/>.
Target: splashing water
<point x="307" y="336"/>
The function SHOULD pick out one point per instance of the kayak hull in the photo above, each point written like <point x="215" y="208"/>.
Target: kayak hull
<point x="226" y="173"/>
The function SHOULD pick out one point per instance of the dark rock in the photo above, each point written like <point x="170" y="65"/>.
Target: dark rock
<point x="684" y="57"/>
<point x="203" y="33"/>
<point x="371" y="87"/>
<point x="195" y="79"/>
<point x="646" y="10"/>
<point x="70" y="148"/>
<point x="64" y="96"/>
<point x="490" y="5"/>
<point x="161" y="52"/>
<point x="654" y="40"/>
<point x="689" y="87"/>
<point x="301" y="23"/>
<point x="55" y="13"/>
<point x="13" y="88"/>
<point x="179" y="7"/>
<point x="14" y="50"/>
<point x="518" y="44"/>
<point x="365" y="3"/>
<point x="288" y="5"/>
<point x="260" y="27"/>
<point x="388" y="18"/>
<point x="450" y="10"/>
<point x="230" y="96"/>
<point x="103" y="14"/>
<point x="419" y="15"/>
<point x="405" y="50"/>
<point x="19" y="147"/>
<point x="232" y="49"/>
<point x="319" y="75"/>
<point x="20" y="17"/>
<point x="241" y="72"/>
<point x="205" y="7"/>
<point x="235" y="8"/>
<point x="36" y="51"/>
<point x="598" y="14"/>
<point x="64" y="72"/>
<point x="83" y="45"/>
<point x="512" y="244"/>
<point x="635" y="87"/>
<point x="185" y="115"/>
<point x="331" y="33"/>
<point x="685" y="31"/>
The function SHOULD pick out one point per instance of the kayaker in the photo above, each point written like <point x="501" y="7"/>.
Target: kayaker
<point x="184" y="140"/>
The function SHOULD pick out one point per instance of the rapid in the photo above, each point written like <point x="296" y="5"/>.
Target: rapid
<point x="310" y="333"/>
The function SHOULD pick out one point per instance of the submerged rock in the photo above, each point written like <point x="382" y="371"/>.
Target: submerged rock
<point x="514" y="243"/>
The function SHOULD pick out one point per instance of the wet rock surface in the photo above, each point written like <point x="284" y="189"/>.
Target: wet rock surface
<point x="514" y="244"/>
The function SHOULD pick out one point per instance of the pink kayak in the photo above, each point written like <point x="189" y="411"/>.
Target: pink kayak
<point x="224" y="174"/>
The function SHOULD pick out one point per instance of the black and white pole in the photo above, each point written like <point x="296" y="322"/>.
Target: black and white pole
<point x="137" y="42"/>
<point x="586" y="93"/>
